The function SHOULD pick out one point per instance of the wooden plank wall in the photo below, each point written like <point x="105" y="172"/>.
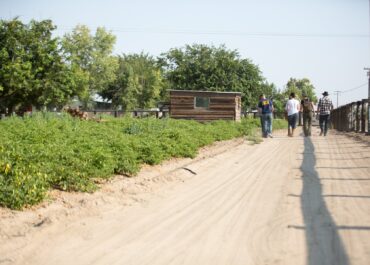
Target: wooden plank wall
<point x="222" y="106"/>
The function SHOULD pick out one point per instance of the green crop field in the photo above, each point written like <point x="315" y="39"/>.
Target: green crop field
<point x="47" y="151"/>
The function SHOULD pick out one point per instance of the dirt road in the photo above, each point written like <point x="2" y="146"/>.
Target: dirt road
<point x="298" y="201"/>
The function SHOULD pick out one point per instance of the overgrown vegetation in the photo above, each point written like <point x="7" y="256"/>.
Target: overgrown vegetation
<point x="47" y="151"/>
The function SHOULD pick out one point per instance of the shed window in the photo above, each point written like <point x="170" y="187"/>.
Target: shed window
<point x="202" y="102"/>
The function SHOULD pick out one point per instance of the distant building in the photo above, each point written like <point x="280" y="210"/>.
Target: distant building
<point x="205" y="105"/>
<point x="101" y="103"/>
<point x="96" y="103"/>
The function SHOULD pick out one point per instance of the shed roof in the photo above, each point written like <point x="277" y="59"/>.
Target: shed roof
<point x="206" y="92"/>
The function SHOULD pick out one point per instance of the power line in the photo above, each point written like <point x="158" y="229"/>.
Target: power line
<point x="338" y="93"/>
<point x="354" y="88"/>
<point x="227" y="32"/>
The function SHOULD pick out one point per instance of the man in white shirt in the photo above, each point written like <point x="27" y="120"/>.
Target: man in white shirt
<point x="292" y="109"/>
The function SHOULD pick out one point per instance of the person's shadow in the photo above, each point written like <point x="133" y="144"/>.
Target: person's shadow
<point x="324" y="244"/>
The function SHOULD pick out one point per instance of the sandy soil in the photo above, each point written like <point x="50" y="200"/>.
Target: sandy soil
<point x="284" y="201"/>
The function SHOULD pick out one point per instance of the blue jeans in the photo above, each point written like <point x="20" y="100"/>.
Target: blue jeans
<point x="266" y="124"/>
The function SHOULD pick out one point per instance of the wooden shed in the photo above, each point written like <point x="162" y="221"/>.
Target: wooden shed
<point x="205" y="105"/>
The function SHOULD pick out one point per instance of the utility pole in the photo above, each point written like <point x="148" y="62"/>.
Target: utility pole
<point x="368" y="74"/>
<point x="368" y="91"/>
<point x="337" y="92"/>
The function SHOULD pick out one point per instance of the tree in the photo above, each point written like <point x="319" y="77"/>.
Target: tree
<point x="15" y="66"/>
<point x="139" y="82"/>
<point x="201" y="67"/>
<point x="299" y="87"/>
<point x="91" y="58"/>
<point x="32" y="67"/>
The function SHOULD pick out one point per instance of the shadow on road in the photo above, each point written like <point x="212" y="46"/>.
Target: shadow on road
<point x="324" y="244"/>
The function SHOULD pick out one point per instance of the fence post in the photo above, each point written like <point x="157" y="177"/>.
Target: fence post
<point x="367" y="117"/>
<point x="334" y="119"/>
<point x="351" y="117"/>
<point x="358" y="116"/>
<point x="348" y="115"/>
<point x="363" y="116"/>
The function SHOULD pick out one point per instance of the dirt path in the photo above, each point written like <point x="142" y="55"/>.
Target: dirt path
<point x="286" y="201"/>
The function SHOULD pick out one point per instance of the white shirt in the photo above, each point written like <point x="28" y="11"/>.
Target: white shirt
<point x="292" y="106"/>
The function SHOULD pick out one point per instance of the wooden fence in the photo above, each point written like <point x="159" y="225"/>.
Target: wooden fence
<point x="351" y="117"/>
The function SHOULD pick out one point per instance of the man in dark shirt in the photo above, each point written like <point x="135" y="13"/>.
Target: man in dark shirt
<point x="266" y="108"/>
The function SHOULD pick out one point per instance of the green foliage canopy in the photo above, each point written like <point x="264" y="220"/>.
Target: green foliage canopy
<point x="41" y="70"/>
<point x="139" y="82"/>
<point x="91" y="58"/>
<point x="32" y="66"/>
<point x="300" y="87"/>
<point x="202" y="67"/>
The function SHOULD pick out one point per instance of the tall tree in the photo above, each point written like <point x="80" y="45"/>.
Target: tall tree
<point x="15" y="64"/>
<point x="32" y="67"/>
<point x="202" y="67"/>
<point x="139" y="82"/>
<point x="299" y="87"/>
<point x="91" y="57"/>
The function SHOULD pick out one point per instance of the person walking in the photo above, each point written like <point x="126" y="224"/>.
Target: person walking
<point x="292" y="109"/>
<point x="307" y="108"/>
<point x="266" y="108"/>
<point x="324" y="108"/>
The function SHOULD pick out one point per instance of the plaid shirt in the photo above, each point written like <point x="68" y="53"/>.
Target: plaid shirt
<point x="325" y="106"/>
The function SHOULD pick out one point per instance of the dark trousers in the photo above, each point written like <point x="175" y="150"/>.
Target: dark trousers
<point x="307" y="122"/>
<point x="292" y="120"/>
<point x="324" y="123"/>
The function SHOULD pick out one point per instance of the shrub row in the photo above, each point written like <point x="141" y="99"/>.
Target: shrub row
<point x="49" y="151"/>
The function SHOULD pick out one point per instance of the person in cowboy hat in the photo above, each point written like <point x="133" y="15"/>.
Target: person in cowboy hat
<point x="324" y="108"/>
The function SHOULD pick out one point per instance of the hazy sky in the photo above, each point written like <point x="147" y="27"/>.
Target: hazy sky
<point x="326" y="41"/>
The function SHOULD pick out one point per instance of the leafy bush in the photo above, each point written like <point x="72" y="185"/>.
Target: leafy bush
<point x="279" y="124"/>
<point x="48" y="151"/>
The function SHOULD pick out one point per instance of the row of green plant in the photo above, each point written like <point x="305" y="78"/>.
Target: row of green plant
<point x="46" y="151"/>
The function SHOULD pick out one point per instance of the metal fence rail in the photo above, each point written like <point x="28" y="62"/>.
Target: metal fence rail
<point x="93" y="114"/>
<point x="134" y="113"/>
<point x="255" y="114"/>
<point x="162" y="113"/>
<point x="351" y="117"/>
